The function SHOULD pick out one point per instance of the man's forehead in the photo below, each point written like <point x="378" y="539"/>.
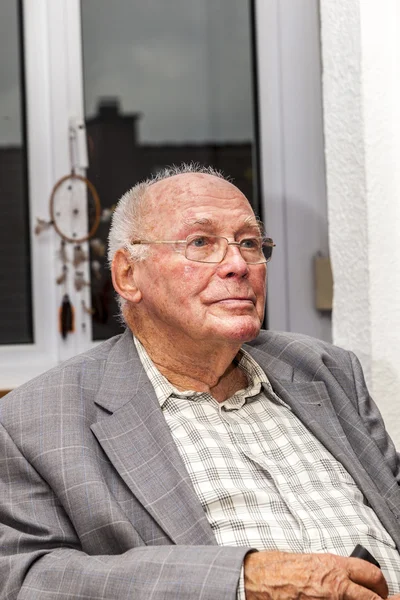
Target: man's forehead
<point x="194" y="198"/>
<point x="177" y="184"/>
<point x="211" y="223"/>
<point x="190" y="184"/>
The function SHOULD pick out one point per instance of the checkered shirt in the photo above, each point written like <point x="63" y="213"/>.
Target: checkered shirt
<point x="263" y="479"/>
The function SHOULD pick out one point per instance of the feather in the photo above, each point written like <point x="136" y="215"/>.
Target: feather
<point x="98" y="246"/>
<point x="79" y="256"/>
<point x="62" y="252"/>
<point x="87" y="309"/>
<point x="66" y="317"/>
<point x="42" y="225"/>
<point x="79" y="281"/>
<point x="62" y="278"/>
<point x="96" y="269"/>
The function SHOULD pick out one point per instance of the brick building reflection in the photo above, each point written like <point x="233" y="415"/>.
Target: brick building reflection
<point x="118" y="160"/>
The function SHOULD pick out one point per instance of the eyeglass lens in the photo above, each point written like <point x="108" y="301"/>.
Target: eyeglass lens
<point x="201" y="248"/>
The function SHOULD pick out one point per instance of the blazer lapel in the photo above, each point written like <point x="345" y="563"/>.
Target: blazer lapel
<point x="311" y="403"/>
<point x="138" y="442"/>
<point x="323" y="415"/>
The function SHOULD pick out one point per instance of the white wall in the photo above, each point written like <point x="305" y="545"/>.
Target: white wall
<point x="361" y="92"/>
<point x="292" y="160"/>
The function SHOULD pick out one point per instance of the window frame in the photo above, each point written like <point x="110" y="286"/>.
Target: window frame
<point x="53" y="87"/>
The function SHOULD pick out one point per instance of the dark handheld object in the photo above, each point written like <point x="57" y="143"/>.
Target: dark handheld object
<point x="361" y="552"/>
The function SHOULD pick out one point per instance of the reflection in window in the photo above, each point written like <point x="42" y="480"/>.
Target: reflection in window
<point x="15" y="286"/>
<point x="165" y="83"/>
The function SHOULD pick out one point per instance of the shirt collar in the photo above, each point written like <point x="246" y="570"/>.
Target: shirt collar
<point x="164" y="389"/>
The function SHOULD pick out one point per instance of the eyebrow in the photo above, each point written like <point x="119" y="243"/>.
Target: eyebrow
<point x="209" y="223"/>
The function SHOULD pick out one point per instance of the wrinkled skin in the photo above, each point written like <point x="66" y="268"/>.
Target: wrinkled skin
<point x="193" y="317"/>
<point x="285" y="576"/>
<point x="196" y="301"/>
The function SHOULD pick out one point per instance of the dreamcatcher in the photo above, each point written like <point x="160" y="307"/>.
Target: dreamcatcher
<point x="66" y="210"/>
<point x="75" y="214"/>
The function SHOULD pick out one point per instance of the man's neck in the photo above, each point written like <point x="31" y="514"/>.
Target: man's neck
<point x="232" y="380"/>
<point x="202" y="368"/>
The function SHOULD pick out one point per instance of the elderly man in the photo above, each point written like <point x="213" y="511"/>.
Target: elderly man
<point x="178" y="460"/>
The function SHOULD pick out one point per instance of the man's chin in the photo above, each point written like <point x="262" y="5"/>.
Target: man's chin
<point x="240" y="329"/>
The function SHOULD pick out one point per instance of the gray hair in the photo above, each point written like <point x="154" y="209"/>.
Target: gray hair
<point x="127" y="222"/>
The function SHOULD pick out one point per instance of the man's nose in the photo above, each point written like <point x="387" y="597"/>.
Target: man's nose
<point x="233" y="263"/>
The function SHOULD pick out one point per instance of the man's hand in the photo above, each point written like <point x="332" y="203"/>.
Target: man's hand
<point x="285" y="576"/>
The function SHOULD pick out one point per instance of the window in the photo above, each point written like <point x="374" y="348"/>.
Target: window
<point x="164" y="83"/>
<point x="16" y="326"/>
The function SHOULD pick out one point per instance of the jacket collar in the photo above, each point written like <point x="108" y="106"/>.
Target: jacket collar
<point x="136" y="438"/>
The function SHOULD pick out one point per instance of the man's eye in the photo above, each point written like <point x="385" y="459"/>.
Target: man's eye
<point x="250" y="244"/>
<point x="200" y="241"/>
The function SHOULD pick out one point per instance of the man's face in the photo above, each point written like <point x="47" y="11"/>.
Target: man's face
<point x="194" y="301"/>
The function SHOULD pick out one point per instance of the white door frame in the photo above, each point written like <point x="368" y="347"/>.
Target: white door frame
<point x="53" y="71"/>
<point x="292" y="159"/>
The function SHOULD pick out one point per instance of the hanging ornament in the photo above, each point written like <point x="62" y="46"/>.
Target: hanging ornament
<point x="66" y="317"/>
<point x="57" y="195"/>
<point x="67" y="192"/>
<point x="87" y="309"/>
<point x="98" y="247"/>
<point x="63" y="277"/>
<point x="96" y="268"/>
<point x="62" y="253"/>
<point x="79" y="281"/>
<point x="42" y="225"/>
<point x="80" y="256"/>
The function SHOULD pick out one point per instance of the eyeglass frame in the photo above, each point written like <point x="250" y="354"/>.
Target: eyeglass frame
<point x="269" y="242"/>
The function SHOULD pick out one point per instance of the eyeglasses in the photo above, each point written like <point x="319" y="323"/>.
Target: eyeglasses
<point x="213" y="248"/>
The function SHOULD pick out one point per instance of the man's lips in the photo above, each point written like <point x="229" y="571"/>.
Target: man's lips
<point x="235" y="299"/>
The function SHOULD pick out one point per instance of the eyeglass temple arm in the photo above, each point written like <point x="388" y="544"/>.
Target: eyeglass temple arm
<point x="268" y="241"/>
<point x="135" y="242"/>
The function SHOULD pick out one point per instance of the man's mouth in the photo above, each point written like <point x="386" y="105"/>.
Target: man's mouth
<point x="236" y="300"/>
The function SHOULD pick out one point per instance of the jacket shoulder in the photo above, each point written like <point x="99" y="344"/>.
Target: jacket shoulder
<point x="301" y="352"/>
<point x="83" y="371"/>
<point x="283" y="339"/>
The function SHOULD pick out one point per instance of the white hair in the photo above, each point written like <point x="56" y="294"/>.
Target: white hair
<point x="127" y="219"/>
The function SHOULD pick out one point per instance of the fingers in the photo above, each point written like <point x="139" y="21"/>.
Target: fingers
<point x="276" y="575"/>
<point x="367" y="575"/>
<point x="353" y="591"/>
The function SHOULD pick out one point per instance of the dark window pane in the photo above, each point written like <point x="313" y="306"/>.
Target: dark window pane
<point x="15" y="284"/>
<point x="165" y="83"/>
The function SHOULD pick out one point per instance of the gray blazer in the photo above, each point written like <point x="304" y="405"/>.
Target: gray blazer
<point x="96" y="502"/>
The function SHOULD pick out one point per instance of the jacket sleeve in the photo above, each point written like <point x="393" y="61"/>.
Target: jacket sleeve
<point x="41" y="556"/>
<point x="373" y="421"/>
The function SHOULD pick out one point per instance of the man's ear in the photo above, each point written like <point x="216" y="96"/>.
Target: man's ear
<point x="123" y="276"/>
